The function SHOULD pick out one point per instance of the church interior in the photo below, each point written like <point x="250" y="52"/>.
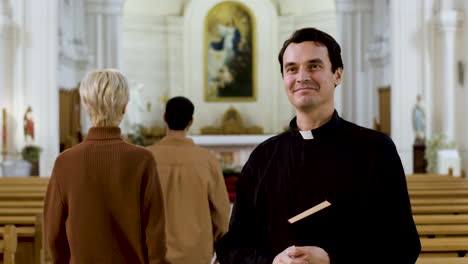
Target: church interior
<point x="404" y="74"/>
<point x="394" y="52"/>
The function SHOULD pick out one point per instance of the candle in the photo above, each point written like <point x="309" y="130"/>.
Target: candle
<point x="4" y="133"/>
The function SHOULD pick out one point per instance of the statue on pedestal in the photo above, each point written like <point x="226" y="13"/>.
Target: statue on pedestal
<point x="419" y="122"/>
<point x="28" y="123"/>
<point x="419" y="128"/>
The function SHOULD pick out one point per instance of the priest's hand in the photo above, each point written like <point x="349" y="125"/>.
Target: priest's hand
<point x="302" y="255"/>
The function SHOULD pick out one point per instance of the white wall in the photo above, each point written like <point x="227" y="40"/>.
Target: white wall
<point x="146" y="62"/>
<point x="153" y="7"/>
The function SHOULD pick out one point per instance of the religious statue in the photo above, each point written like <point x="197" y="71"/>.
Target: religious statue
<point x="133" y="117"/>
<point x="28" y="123"/>
<point x="419" y="121"/>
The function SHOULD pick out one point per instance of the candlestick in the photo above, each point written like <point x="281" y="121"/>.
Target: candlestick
<point x="4" y="134"/>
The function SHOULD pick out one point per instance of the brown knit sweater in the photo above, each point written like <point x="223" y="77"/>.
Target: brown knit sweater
<point x="104" y="203"/>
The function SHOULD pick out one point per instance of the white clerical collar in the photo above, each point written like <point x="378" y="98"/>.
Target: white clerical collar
<point x="306" y="134"/>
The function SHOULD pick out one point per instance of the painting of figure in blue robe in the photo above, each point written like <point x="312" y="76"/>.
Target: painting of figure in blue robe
<point x="229" y="46"/>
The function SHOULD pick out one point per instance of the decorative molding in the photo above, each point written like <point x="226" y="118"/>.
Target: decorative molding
<point x="449" y="20"/>
<point x="105" y="7"/>
<point x="76" y="52"/>
<point x="154" y="24"/>
<point x="350" y="6"/>
<point x="316" y="16"/>
<point x="5" y="14"/>
<point x="315" y="19"/>
<point x="378" y="53"/>
<point x="74" y="62"/>
<point x="6" y="20"/>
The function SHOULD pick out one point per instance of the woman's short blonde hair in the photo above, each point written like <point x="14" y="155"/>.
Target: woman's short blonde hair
<point x="105" y="95"/>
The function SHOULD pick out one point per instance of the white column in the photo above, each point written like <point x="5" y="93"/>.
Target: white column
<point x="37" y="86"/>
<point x="378" y="53"/>
<point x="447" y="25"/>
<point x="104" y="18"/>
<point x="464" y="107"/>
<point x="104" y="32"/>
<point x="7" y="52"/>
<point x="73" y="50"/>
<point x="406" y="23"/>
<point x="354" y="24"/>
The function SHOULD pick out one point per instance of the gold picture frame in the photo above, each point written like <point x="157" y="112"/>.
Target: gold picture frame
<point x="230" y="52"/>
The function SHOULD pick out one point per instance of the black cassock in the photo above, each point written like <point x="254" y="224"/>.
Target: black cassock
<point x="356" y="169"/>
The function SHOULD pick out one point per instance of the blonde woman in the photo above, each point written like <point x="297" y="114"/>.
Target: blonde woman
<point x="104" y="203"/>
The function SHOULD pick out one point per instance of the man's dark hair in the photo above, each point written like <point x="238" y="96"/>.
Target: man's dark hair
<point x="179" y="112"/>
<point x="313" y="34"/>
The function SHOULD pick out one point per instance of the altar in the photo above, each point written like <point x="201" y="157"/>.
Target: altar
<point x="232" y="151"/>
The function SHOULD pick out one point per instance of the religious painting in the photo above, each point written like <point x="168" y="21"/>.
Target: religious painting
<point x="230" y="53"/>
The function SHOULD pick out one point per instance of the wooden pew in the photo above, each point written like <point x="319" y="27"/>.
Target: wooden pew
<point x="14" y="189"/>
<point x="443" y="230"/>
<point x="439" y="201"/>
<point x="439" y="193"/>
<point x="440" y="219"/>
<point x="31" y="231"/>
<point x="24" y="180"/>
<point x="21" y="199"/>
<point x="440" y="209"/>
<point x="440" y="260"/>
<point x="8" y="244"/>
<point x="21" y="231"/>
<point x="433" y="178"/>
<point x="18" y="220"/>
<point x="444" y="244"/>
<point x="21" y="204"/>
<point x="444" y="186"/>
<point x="20" y="211"/>
<point x="21" y="196"/>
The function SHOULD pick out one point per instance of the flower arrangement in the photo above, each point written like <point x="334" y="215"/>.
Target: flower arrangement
<point x="31" y="153"/>
<point x="433" y="145"/>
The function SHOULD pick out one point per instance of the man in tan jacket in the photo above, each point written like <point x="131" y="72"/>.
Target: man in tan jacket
<point x="104" y="202"/>
<point x="196" y="200"/>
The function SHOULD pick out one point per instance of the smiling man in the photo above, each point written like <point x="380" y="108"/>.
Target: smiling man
<point x="322" y="157"/>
